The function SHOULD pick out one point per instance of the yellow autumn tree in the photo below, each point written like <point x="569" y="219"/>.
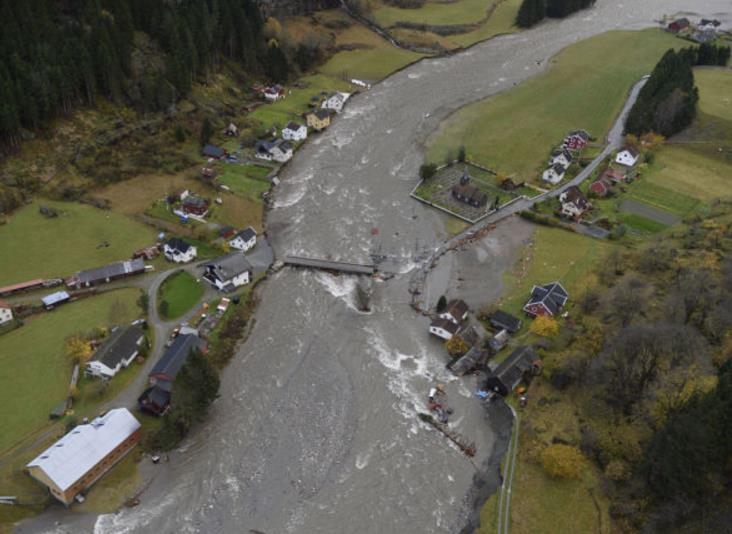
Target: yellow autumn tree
<point x="563" y="461"/>
<point x="652" y="140"/>
<point x="545" y="326"/>
<point x="456" y="346"/>
<point x="272" y="28"/>
<point x="78" y="349"/>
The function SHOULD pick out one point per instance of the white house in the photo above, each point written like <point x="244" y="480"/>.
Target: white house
<point x="335" y="101"/>
<point x="628" y="156"/>
<point x="244" y="240"/>
<point x="179" y="251"/>
<point x="279" y="150"/>
<point x="116" y="352"/>
<point x="6" y="312"/>
<point x="561" y="156"/>
<point x="229" y="272"/>
<point x="444" y="329"/>
<point x="554" y="174"/>
<point x="456" y="311"/>
<point x="574" y="203"/>
<point x="295" y="132"/>
<point x="274" y="93"/>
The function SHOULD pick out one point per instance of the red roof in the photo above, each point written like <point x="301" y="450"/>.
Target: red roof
<point x="4" y="304"/>
<point x="23" y="285"/>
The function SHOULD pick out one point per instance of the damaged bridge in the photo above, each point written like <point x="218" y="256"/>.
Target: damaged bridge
<point x="328" y="265"/>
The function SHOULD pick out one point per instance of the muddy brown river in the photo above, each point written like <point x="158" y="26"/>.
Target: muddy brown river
<point x="316" y="428"/>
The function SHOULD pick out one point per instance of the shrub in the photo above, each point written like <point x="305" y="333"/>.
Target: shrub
<point x="456" y="346"/>
<point x="545" y="326"/>
<point x="427" y="171"/>
<point x="441" y="304"/>
<point x="563" y="461"/>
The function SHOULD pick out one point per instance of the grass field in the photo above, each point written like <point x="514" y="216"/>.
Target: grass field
<point x="585" y="87"/>
<point x="35" y="370"/>
<point x="434" y="13"/>
<point x="247" y="180"/>
<point x="501" y="21"/>
<point x="555" y="254"/>
<point x="180" y="291"/>
<point x="37" y="247"/>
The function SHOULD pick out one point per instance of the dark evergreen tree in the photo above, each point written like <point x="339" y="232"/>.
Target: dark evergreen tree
<point x="206" y="131"/>
<point x="530" y="12"/>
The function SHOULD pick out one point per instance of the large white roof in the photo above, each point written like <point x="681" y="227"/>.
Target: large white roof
<point x="67" y="460"/>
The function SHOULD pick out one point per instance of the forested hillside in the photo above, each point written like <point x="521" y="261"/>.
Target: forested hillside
<point x="534" y="11"/>
<point x="56" y="55"/>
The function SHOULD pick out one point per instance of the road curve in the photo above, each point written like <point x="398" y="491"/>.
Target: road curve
<point x="316" y="427"/>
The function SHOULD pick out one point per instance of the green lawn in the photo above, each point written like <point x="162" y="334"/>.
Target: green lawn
<point x="585" y="87"/>
<point x="715" y="91"/>
<point x="501" y="21"/>
<point x="556" y="254"/>
<point x="37" y="247"/>
<point x="373" y="63"/>
<point x="434" y="12"/>
<point x="249" y="180"/>
<point x="35" y="370"/>
<point x="181" y="291"/>
<point x="639" y="225"/>
<point x="649" y="192"/>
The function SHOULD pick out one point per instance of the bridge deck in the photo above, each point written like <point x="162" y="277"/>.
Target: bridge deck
<point x="327" y="265"/>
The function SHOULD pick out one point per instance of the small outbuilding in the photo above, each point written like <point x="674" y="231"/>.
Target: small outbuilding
<point x="55" y="299"/>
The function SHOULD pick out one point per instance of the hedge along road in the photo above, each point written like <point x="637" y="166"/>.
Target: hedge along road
<point x="316" y="428"/>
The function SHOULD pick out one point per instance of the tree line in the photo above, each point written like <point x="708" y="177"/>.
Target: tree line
<point x="667" y="103"/>
<point x="647" y="362"/>
<point x="532" y="12"/>
<point x="57" y="55"/>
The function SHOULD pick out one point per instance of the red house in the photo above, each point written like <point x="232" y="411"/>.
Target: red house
<point x="600" y="187"/>
<point x="576" y="140"/>
<point x="546" y="300"/>
<point x="678" y="25"/>
<point x="194" y="204"/>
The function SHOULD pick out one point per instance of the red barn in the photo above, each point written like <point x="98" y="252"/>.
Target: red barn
<point x="546" y="300"/>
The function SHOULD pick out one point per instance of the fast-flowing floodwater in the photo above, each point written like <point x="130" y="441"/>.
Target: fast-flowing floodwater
<point x="316" y="427"/>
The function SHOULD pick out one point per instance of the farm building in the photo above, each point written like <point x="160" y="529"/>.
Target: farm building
<point x="85" y="454"/>
<point x="546" y="300"/>
<point x="55" y="299"/>
<point x="106" y="274"/>
<point x="116" y="352"/>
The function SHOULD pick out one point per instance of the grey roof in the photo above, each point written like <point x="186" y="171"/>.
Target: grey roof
<point x="469" y="361"/>
<point x="173" y="359"/>
<point x="55" y="298"/>
<point x="176" y="243"/>
<point x="559" y="168"/>
<point x="121" y="343"/>
<point x="113" y="270"/>
<point x="562" y="151"/>
<point x="213" y="151"/>
<point x="293" y="126"/>
<point x="552" y="295"/>
<point x="246" y="234"/>
<point x="228" y="266"/>
<point x="512" y="369"/>
<point x="505" y="321"/>
<point x="322" y="114"/>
